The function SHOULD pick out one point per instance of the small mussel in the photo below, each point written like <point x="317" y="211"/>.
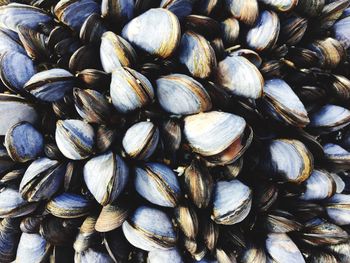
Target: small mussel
<point x="229" y="31"/>
<point x="116" y="52"/>
<point x="329" y="118"/>
<point x="181" y="94"/>
<point x="117" y="11"/>
<point x="337" y="158"/>
<point x="113" y="174"/>
<point x="293" y="29"/>
<point x="187" y="220"/>
<point x="92" y="30"/>
<point x="140" y="140"/>
<point x="10" y="234"/>
<point x="246" y="11"/>
<point x="13" y="205"/>
<point x="196" y="53"/>
<point x="232" y="202"/>
<point x="320" y="185"/>
<point x="181" y="8"/>
<point x="42" y="179"/>
<point x="288" y="160"/>
<point x="14" y="109"/>
<point x="342" y="32"/>
<point x="283" y="104"/>
<point x="264" y="35"/>
<point x="87" y="236"/>
<point x="282" y="5"/>
<point x="130" y="90"/>
<point x="32" y="248"/>
<point x="92" y="255"/>
<point x="226" y="132"/>
<point x="112" y="216"/>
<point x="10" y="41"/>
<point x="280" y="221"/>
<point x="68" y="205"/>
<point x="150" y="229"/>
<point x="92" y="106"/>
<point x="158" y="184"/>
<point x="240" y="77"/>
<point x="16" y="70"/>
<point x="157" y="31"/>
<point x="198" y="183"/>
<point x="23" y="142"/>
<point x="282" y="249"/>
<point x="161" y="256"/>
<point x="337" y="209"/>
<point x="50" y="85"/>
<point x="75" y="139"/>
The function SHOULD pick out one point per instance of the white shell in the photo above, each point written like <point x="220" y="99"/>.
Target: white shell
<point x="339" y="214"/>
<point x="31" y="248"/>
<point x="212" y="132"/>
<point x="342" y="31"/>
<point x="162" y="256"/>
<point x="319" y="185"/>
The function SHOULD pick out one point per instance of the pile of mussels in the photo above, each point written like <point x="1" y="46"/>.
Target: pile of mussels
<point x="175" y="131"/>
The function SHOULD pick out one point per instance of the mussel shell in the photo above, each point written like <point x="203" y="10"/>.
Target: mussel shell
<point x="249" y="54"/>
<point x="253" y="254"/>
<point x="282" y="249"/>
<point x="73" y="13"/>
<point x="117" y="11"/>
<point x="75" y="139"/>
<point x="187" y="220"/>
<point x="229" y="31"/>
<point x="342" y="32"/>
<point x="196" y="53"/>
<point x="172" y="89"/>
<point x="42" y="179"/>
<point x="10" y="41"/>
<point x="337" y="208"/>
<point x="310" y="8"/>
<point x="150" y="229"/>
<point x="92" y="255"/>
<point x="31" y="224"/>
<point x="264" y="35"/>
<point x="87" y="236"/>
<point x="116" y="52"/>
<point x="68" y="205"/>
<point x="10" y="234"/>
<point x="84" y="57"/>
<point x="112" y="216"/>
<point x="130" y="90"/>
<point x="161" y="256"/>
<point x="319" y="185"/>
<point x="282" y="5"/>
<point x="94" y="79"/>
<point x="158" y="184"/>
<point x="140" y="140"/>
<point x="322" y="258"/>
<point x="117" y="246"/>
<point x="246" y="11"/>
<point x="329" y="118"/>
<point x="50" y="85"/>
<point x="293" y="29"/>
<point x="232" y="202"/>
<point x="112" y="178"/>
<point x="16" y="70"/>
<point x="280" y="221"/>
<point x="92" y="30"/>
<point x="32" y="248"/>
<point x="240" y="77"/>
<point x="157" y="31"/>
<point x="181" y="8"/>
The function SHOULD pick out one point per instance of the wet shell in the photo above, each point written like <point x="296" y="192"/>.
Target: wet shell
<point x="10" y="41"/>
<point x="117" y="11"/>
<point x="111" y="179"/>
<point x="181" y="8"/>
<point x="140" y="140"/>
<point x="229" y="31"/>
<point x="161" y="256"/>
<point x="150" y="229"/>
<point x="240" y="77"/>
<point x="342" y="31"/>
<point x="111" y="217"/>
<point x="320" y="185"/>
<point x="232" y="202"/>
<point x="337" y="209"/>
<point x="157" y="31"/>
<point x="187" y="220"/>
<point x="246" y="11"/>
<point x="264" y="35"/>
<point x="68" y="205"/>
<point x="196" y="53"/>
<point x="180" y="94"/>
<point x="32" y="248"/>
<point x="281" y="5"/>
<point x="75" y="139"/>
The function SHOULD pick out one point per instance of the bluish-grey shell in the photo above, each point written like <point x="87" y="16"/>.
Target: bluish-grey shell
<point x="246" y="11"/>
<point x="50" y="85"/>
<point x="212" y="132"/>
<point x="205" y="7"/>
<point x="92" y="256"/>
<point x="230" y="31"/>
<point x="130" y="90"/>
<point x="14" y="109"/>
<point x="264" y="34"/>
<point x="342" y="31"/>
<point x="6" y="163"/>
<point x="161" y="256"/>
<point x="240" y="77"/>
<point x="140" y="140"/>
<point x="337" y="209"/>
<point x="284" y="104"/>
<point x="15" y="70"/>
<point x="118" y="10"/>
<point x="68" y="205"/>
<point x="158" y="184"/>
<point x="75" y="139"/>
<point x="23" y="142"/>
<point x="13" y="205"/>
<point x="330" y="118"/>
<point x="32" y="248"/>
<point x="74" y="13"/>
<point x="318" y="186"/>
<point x="9" y="41"/>
<point x="282" y="249"/>
<point x="116" y="52"/>
<point x="232" y="202"/>
<point x="181" y="94"/>
<point x="150" y="229"/>
<point x="42" y="179"/>
<point x="15" y="14"/>
<point x="281" y="5"/>
<point x="181" y="8"/>
<point x="157" y="31"/>
<point x="196" y="53"/>
<point x="111" y="179"/>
